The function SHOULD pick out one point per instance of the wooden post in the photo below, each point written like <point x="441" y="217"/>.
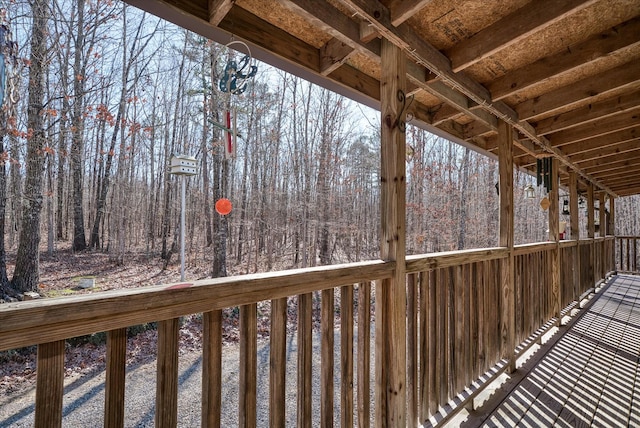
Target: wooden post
<point x="573" y="205"/>
<point x="591" y="233"/>
<point x="508" y="321"/>
<point x="554" y="236"/>
<point x="346" y="356"/>
<point x="211" y="369"/>
<point x="575" y="232"/>
<point x="603" y="219"/>
<point x="167" y="374"/>
<point x="391" y="294"/>
<point x="248" y="366"/>
<point x="364" y="350"/>
<point x="612" y="216"/>
<point x="327" y="311"/>
<point x="277" y="363"/>
<point x="115" y="382"/>
<point x="591" y="229"/>
<point x="305" y="349"/>
<point x="50" y="384"/>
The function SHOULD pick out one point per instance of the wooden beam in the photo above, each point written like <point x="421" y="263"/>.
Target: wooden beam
<point x="513" y="28"/>
<point x="596" y="48"/>
<point x="602" y="141"/>
<point x="588" y="113"/>
<point x="607" y="125"/>
<point x="580" y="92"/>
<point x="218" y="9"/>
<point x="391" y="294"/>
<point x="617" y="150"/>
<point x="332" y="55"/>
<point x="596" y="166"/>
<point x="367" y="32"/>
<point x="401" y="10"/>
<point x="115" y="378"/>
<point x="507" y="275"/>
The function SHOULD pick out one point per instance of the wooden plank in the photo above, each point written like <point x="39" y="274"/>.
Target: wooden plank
<point x="364" y="352"/>
<point x="49" y="384"/>
<point x="458" y="325"/>
<point x="248" y="366"/>
<point x="391" y="302"/>
<point x="305" y="350"/>
<point x="278" y="363"/>
<point x="39" y="321"/>
<point x="616" y="122"/>
<point x="115" y="378"/>
<point x="412" y="350"/>
<point x="346" y="356"/>
<point x="167" y="374"/>
<point x="326" y="358"/>
<point x="441" y="374"/>
<point x="211" y="368"/>
<point x="612" y="215"/>
<point x="426" y="346"/>
<point x="512" y="29"/>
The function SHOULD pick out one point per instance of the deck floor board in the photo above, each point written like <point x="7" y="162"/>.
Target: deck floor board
<point x="589" y="377"/>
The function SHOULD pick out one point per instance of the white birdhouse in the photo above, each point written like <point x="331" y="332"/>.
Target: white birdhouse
<point x="183" y="165"/>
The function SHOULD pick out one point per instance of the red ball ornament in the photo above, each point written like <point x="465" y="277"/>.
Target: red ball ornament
<point x="223" y="206"/>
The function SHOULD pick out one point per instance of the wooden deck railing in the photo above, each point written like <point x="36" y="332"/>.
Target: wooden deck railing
<point x="627" y="259"/>
<point x="453" y="331"/>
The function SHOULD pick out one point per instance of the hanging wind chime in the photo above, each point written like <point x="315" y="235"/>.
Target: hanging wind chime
<point x="543" y="177"/>
<point x="234" y="81"/>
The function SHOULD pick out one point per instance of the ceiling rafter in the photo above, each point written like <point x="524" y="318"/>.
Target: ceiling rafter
<point x="218" y="9"/>
<point x="602" y="141"/>
<point x="588" y="113"/>
<point x="621" y="121"/>
<point x="532" y="17"/>
<point x="425" y="54"/>
<point x="401" y="10"/>
<point x="596" y="48"/>
<point x="582" y="91"/>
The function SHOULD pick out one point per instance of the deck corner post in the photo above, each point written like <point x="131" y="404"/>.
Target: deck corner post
<point x="507" y="273"/>
<point x="391" y="385"/>
<point x="575" y="232"/>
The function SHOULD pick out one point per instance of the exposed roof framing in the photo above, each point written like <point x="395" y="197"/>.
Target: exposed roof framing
<point x="564" y="74"/>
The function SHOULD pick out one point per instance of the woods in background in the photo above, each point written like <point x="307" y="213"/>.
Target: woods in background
<point x="108" y="94"/>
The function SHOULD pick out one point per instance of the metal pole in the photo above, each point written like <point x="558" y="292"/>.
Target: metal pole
<point x="184" y="197"/>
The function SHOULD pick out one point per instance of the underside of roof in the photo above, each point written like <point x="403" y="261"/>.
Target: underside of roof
<point x="564" y="74"/>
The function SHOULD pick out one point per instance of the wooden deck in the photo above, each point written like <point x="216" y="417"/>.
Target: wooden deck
<point x="589" y="375"/>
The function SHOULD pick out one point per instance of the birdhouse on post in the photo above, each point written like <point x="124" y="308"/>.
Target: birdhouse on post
<point x="183" y="165"/>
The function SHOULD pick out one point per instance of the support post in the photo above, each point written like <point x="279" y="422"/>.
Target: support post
<point x="612" y="216"/>
<point x="182" y="223"/>
<point x="591" y="228"/>
<point x="554" y="236"/>
<point x="391" y="293"/>
<point x="573" y="205"/>
<point x="508" y="321"/>
<point x="603" y="219"/>
<point x="575" y="232"/>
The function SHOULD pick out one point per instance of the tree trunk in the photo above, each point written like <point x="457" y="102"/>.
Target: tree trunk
<point x="26" y="274"/>
<point x="77" y="140"/>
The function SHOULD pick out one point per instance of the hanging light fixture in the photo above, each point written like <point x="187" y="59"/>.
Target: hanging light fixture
<point x="529" y="192"/>
<point x="565" y="207"/>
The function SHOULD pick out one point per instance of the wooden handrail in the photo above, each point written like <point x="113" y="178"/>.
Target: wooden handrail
<point x="424" y="262"/>
<point x="40" y="321"/>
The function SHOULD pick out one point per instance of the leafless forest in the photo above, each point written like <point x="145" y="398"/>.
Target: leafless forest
<point x="97" y="98"/>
